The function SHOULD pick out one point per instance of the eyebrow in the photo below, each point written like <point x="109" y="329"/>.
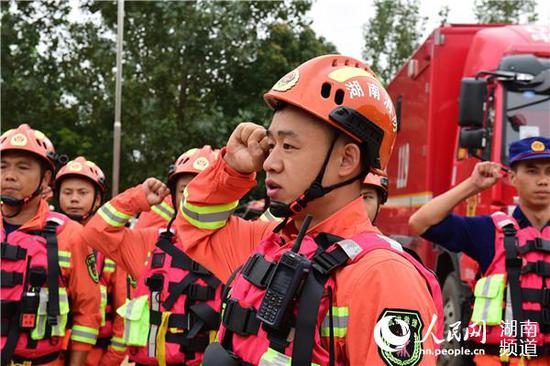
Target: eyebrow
<point x="283" y="133"/>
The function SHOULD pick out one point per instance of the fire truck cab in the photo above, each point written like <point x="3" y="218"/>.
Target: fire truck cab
<point x="463" y="96"/>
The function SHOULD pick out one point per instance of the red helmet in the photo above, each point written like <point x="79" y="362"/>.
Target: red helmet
<point x="345" y="93"/>
<point x="24" y="138"/>
<point x="192" y="161"/>
<point x="381" y="183"/>
<point x="80" y="167"/>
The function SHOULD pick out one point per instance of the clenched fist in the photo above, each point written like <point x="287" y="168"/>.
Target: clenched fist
<point x="247" y="147"/>
<point x="155" y="191"/>
<point x="485" y="175"/>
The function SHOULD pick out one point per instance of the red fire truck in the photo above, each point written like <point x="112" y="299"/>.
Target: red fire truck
<point x="464" y="95"/>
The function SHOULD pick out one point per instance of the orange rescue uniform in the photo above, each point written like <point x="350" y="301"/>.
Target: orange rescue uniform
<point x="379" y="280"/>
<point x="129" y="248"/>
<point x="157" y="217"/>
<point x="83" y="292"/>
<point x="115" y="280"/>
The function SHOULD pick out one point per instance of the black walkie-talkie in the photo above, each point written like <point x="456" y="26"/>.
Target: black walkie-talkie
<point x="285" y="283"/>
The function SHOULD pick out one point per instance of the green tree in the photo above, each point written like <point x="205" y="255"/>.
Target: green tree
<point x="443" y="14"/>
<point x="505" y="11"/>
<point x="392" y="35"/>
<point x="192" y="71"/>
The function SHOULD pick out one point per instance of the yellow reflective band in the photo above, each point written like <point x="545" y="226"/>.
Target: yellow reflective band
<point x="64" y="259"/>
<point x="340" y="316"/>
<point x="118" y="344"/>
<point x="274" y="358"/>
<point x="348" y="72"/>
<point x="84" y="334"/>
<point x="103" y="303"/>
<point x="207" y="217"/>
<point x="112" y="216"/>
<point x="161" y="338"/>
<point x="109" y="265"/>
<point x="164" y="210"/>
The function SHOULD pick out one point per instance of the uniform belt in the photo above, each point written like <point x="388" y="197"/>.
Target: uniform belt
<point x="103" y="343"/>
<point x="17" y="360"/>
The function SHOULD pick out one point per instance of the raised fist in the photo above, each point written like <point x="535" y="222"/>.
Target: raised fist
<point x="485" y="175"/>
<point x="247" y="147"/>
<point x="155" y="191"/>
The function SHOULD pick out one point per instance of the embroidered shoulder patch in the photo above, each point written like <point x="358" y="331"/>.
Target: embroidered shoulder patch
<point x="92" y="267"/>
<point x="397" y="334"/>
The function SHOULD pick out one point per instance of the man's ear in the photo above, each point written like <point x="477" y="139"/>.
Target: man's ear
<point x="97" y="203"/>
<point x="350" y="163"/>
<point x="46" y="179"/>
<point x="513" y="175"/>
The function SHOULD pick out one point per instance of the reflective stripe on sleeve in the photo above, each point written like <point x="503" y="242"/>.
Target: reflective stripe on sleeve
<point x="207" y="217"/>
<point x="109" y="265"/>
<point x="64" y="259"/>
<point x="112" y="216"/>
<point x="340" y="317"/>
<point x="118" y="344"/>
<point x="164" y="210"/>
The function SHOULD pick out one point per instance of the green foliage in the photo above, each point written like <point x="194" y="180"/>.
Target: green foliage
<point x="443" y="14"/>
<point x="192" y="70"/>
<point x="392" y="35"/>
<point x="505" y="11"/>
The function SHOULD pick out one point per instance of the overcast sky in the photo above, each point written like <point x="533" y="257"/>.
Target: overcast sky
<point x="341" y="21"/>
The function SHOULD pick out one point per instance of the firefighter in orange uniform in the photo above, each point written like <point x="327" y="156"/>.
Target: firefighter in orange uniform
<point x="79" y="190"/>
<point x="180" y="298"/>
<point x="375" y="194"/>
<point x="44" y="274"/>
<point x="325" y="289"/>
<point x="158" y="216"/>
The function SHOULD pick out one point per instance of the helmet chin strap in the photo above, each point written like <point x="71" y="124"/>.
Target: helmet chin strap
<point x="19" y="203"/>
<point x="314" y="191"/>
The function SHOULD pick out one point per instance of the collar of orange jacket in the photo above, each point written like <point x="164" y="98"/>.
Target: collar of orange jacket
<point x="348" y="221"/>
<point x="37" y="222"/>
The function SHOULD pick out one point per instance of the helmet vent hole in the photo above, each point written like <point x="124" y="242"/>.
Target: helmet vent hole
<point x="334" y="62"/>
<point x="346" y="62"/>
<point x="339" y="97"/>
<point x="325" y="90"/>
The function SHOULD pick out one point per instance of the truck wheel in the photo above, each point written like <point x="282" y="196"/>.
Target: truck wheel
<point x="452" y="313"/>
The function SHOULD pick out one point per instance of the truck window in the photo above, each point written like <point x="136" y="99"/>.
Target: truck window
<point x="527" y="114"/>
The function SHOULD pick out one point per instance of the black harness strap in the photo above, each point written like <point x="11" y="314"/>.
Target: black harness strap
<point x="513" y="269"/>
<point x="206" y="314"/>
<point x="324" y="264"/>
<point x="535" y="245"/>
<point x="239" y="320"/>
<point x="11" y="279"/>
<point x="179" y="258"/>
<point x="176" y="289"/>
<point x="541" y="296"/>
<point x="53" y="272"/>
<point x="13" y="252"/>
<point x="227" y="340"/>
<point x="13" y="330"/>
<point x="258" y="271"/>
<point x="541" y="268"/>
<point x="306" y="321"/>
